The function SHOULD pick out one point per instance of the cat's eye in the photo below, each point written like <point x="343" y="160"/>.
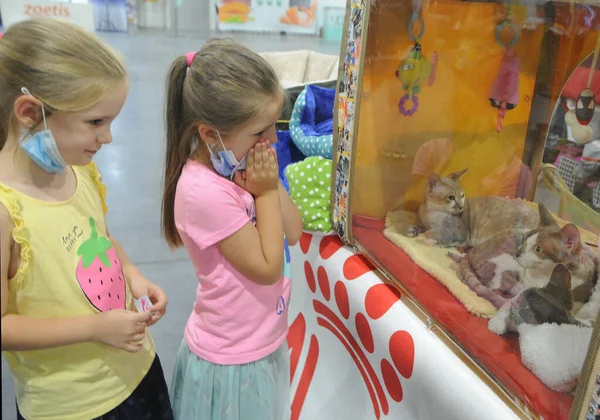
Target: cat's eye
<point x="462" y="195"/>
<point x="451" y="198"/>
<point x="538" y="249"/>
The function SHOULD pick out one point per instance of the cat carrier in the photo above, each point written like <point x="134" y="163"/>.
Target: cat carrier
<point x="429" y="89"/>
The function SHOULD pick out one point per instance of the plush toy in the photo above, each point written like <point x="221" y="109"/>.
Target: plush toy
<point x="504" y="94"/>
<point x="579" y="119"/>
<point x="413" y="71"/>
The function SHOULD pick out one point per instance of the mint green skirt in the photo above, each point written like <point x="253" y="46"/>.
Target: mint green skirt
<point x="260" y="390"/>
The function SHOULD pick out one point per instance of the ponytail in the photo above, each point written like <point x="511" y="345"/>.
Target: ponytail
<point x="179" y="147"/>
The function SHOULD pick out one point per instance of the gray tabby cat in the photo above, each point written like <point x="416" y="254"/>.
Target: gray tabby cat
<point x="450" y="218"/>
<point x="539" y="305"/>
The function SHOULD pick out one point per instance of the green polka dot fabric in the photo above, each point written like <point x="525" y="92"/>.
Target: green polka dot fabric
<point x="310" y="188"/>
<point x="309" y="145"/>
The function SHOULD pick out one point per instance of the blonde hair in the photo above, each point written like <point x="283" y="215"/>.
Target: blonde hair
<point x="225" y="87"/>
<point x="67" y="68"/>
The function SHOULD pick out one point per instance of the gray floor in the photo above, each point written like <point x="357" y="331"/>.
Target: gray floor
<point x="132" y="166"/>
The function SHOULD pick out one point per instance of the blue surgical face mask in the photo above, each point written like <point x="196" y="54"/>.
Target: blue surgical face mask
<point x="225" y="162"/>
<point x="41" y="147"/>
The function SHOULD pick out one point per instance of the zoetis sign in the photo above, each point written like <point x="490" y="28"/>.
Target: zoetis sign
<point x="14" y="11"/>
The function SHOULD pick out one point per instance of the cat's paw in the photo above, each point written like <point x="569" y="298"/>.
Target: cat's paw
<point x="587" y="315"/>
<point x="464" y="248"/>
<point x="497" y="325"/>
<point x="414" y="231"/>
<point x="427" y="240"/>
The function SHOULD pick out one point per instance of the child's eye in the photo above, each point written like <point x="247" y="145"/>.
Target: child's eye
<point x="96" y="122"/>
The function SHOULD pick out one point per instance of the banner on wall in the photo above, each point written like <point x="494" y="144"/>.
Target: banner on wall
<point x="14" y="11"/>
<point x="293" y="16"/>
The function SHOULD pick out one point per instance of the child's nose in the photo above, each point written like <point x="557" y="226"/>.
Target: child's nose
<point x="105" y="138"/>
<point x="271" y="138"/>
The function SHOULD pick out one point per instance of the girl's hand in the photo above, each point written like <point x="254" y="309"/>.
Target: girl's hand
<point x="262" y="171"/>
<point x="121" y="329"/>
<point x="157" y="296"/>
<point x="140" y="286"/>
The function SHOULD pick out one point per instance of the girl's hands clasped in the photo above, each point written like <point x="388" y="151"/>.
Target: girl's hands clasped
<point x="122" y="329"/>
<point x="262" y="171"/>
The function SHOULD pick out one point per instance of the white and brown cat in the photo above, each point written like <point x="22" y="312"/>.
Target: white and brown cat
<point x="451" y="219"/>
<point x="544" y="248"/>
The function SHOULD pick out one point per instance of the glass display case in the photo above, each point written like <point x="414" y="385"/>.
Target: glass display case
<point x="466" y="160"/>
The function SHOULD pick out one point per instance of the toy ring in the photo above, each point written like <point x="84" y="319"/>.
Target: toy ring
<point x="402" y="105"/>
<point x="413" y="18"/>
<point x="501" y="26"/>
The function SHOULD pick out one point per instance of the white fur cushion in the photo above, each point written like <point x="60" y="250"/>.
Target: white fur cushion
<point x="554" y="353"/>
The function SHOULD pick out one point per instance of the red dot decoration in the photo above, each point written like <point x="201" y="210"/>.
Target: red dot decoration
<point x="364" y="332"/>
<point x="329" y="245"/>
<point x="324" y="283"/>
<point x="356" y="266"/>
<point x="379" y="300"/>
<point x="402" y="350"/>
<point x="391" y="380"/>
<point x="305" y="240"/>
<point x="310" y="277"/>
<point x="341" y="299"/>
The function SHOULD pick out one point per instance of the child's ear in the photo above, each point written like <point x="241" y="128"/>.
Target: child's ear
<point x="28" y="111"/>
<point x="208" y="134"/>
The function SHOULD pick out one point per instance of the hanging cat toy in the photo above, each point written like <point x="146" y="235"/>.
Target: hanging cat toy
<point x="580" y="118"/>
<point x="504" y="94"/>
<point x="414" y="70"/>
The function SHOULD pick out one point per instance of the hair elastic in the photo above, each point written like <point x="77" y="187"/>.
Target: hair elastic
<point x="190" y="57"/>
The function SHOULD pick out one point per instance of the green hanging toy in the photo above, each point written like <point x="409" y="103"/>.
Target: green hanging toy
<point x="414" y="70"/>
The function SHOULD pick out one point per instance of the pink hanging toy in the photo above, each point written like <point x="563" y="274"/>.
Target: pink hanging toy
<point x="504" y="93"/>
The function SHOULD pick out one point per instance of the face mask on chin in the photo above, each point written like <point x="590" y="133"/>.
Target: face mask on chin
<point x="41" y="146"/>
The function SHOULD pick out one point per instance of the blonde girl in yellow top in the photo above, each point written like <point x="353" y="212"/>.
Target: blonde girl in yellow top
<point x="76" y="346"/>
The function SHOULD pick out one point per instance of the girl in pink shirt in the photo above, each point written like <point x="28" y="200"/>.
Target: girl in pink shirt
<point x="223" y="201"/>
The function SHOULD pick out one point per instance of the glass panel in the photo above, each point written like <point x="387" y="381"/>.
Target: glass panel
<point x="573" y="143"/>
<point x="467" y="111"/>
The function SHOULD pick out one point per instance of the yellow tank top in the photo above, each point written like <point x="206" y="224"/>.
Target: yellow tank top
<point x="69" y="268"/>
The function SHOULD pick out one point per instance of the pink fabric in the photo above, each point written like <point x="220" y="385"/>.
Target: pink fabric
<point x="234" y="320"/>
<point x="506" y="84"/>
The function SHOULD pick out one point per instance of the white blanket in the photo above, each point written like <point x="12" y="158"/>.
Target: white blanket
<point x="555" y="353"/>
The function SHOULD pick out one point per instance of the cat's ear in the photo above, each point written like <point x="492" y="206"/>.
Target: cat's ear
<point x="455" y="176"/>
<point x="561" y="278"/>
<point x="571" y="238"/>
<point x="434" y="179"/>
<point x="560" y="286"/>
<point x="546" y="219"/>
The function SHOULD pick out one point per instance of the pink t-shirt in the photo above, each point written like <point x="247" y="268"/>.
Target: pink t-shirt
<point x="234" y="320"/>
